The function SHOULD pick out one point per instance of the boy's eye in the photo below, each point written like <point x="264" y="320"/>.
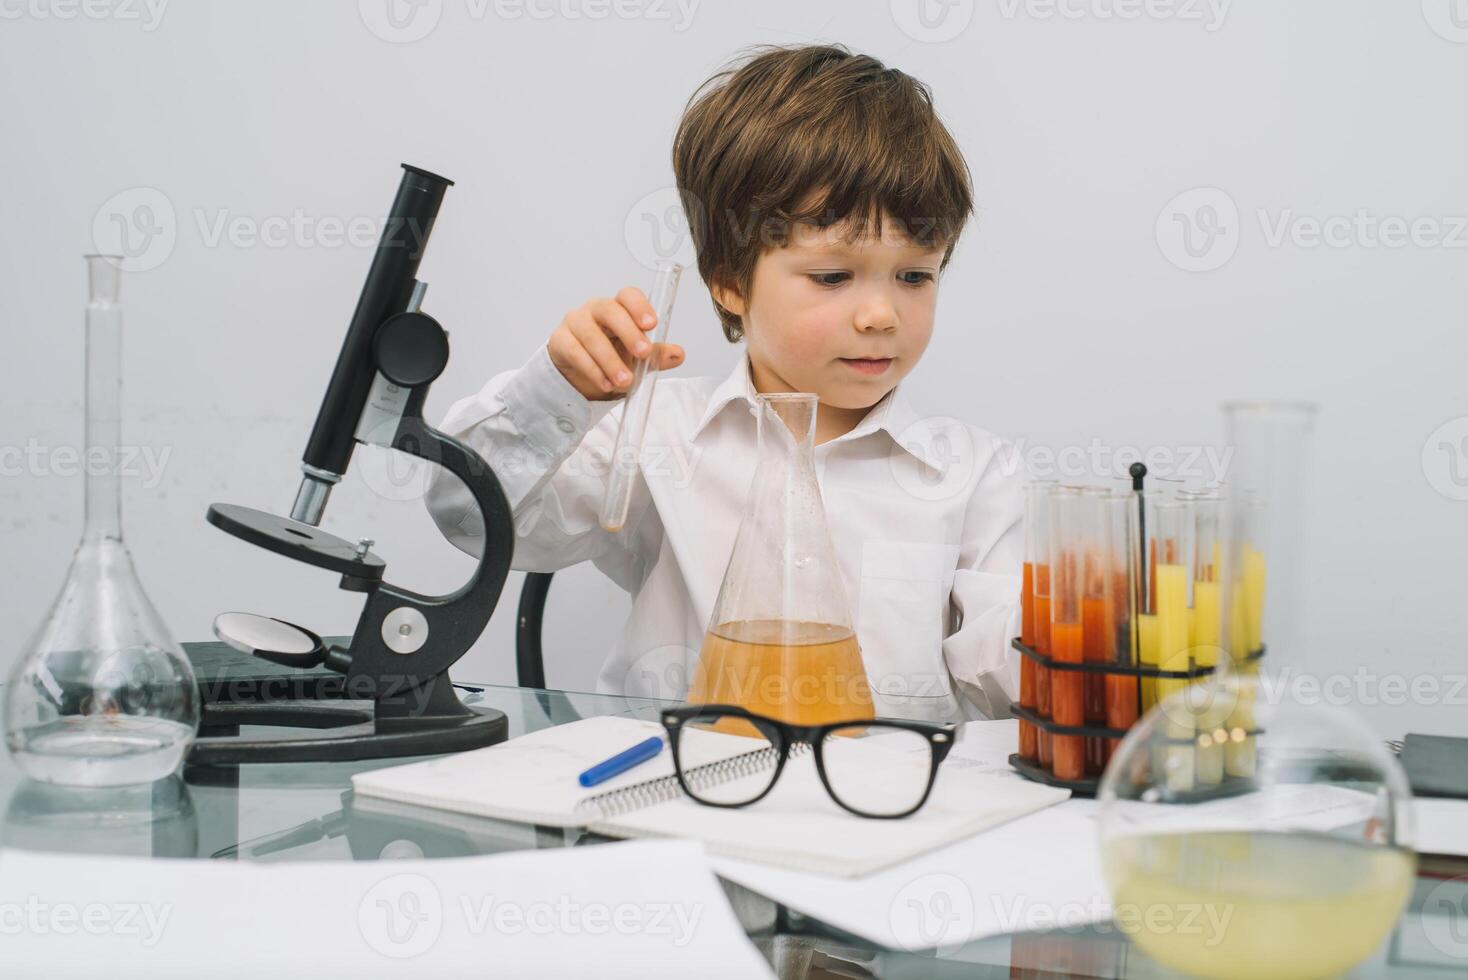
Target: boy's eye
<point x="917" y="277"/>
<point x="829" y="278"/>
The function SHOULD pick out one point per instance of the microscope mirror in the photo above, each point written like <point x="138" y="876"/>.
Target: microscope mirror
<point x="273" y="639"/>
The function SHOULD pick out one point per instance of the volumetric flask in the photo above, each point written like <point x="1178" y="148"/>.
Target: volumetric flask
<point x="101" y="695"/>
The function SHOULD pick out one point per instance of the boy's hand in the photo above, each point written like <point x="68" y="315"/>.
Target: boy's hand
<point x="597" y="345"/>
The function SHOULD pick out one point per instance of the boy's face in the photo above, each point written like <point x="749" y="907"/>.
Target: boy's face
<point x="846" y="321"/>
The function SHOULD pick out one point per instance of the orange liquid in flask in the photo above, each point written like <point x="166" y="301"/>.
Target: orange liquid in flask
<point x="800" y="673"/>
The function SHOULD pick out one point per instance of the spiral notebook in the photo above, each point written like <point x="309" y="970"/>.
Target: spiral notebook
<point x="532" y="779"/>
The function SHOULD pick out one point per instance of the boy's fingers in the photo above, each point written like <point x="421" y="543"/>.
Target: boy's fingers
<point x="589" y="369"/>
<point x="634" y="301"/>
<point x="595" y="340"/>
<point x="582" y="364"/>
<point x="615" y="320"/>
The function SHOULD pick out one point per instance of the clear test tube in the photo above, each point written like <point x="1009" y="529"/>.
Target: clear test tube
<point x="1207" y="632"/>
<point x="1167" y="488"/>
<point x="1123" y="552"/>
<point x="1270" y="478"/>
<point x="1155" y="550"/>
<point x="1099" y="635"/>
<point x="1187" y="556"/>
<point x="1207" y="626"/>
<point x="1067" y="632"/>
<point x="1035" y="563"/>
<point x="1173" y="537"/>
<point x="1250" y="521"/>
<point x="1172" y="573"/>
<point x="628" y="448"/>
<point x="1270" y="472"/>
<point x="1244" y="585"/>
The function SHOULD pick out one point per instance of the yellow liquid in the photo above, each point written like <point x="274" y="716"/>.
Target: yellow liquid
<point x="1246" y="614"/>
<point x="1172" y="624"/>
<point x="1234" y="904"/>
<point x="1208" y="627"/>
<point x="1172" y="654"/>
<point x="1254" y="590"/>
<point x="1207" y="634"/>
<point x="1240" y="755"/>
<point x="800" y="673"/>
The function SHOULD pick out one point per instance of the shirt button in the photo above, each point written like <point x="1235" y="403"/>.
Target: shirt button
<point x="565" y="424"/>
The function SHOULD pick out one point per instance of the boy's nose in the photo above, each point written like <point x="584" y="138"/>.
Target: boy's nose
<point x="876" y="314"/>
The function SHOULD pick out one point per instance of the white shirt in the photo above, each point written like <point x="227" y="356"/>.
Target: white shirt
<point x="924" y="515"/>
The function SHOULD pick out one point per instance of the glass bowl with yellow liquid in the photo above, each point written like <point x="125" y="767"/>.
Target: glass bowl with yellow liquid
<point x="1249" y="831"/>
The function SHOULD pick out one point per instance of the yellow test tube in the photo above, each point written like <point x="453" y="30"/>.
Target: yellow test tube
<point x="1154" y="552"/>
<point x="1249" y="579"/>
<point x="1207" y="634"/>
<point x="1173" y="572"/>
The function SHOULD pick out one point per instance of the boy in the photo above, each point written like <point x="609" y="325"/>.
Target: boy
<point x="824" y="197"/>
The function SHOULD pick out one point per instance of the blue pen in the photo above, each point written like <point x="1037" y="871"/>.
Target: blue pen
<point x="621" y="762"/>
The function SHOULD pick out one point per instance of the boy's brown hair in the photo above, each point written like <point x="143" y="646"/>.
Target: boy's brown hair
<point x="817" y="135"/>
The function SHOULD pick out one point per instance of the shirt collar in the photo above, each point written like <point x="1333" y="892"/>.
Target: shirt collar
<point x="894" y="414"/>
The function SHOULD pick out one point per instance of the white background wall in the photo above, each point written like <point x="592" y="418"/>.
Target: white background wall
<point x="1065" y="317"/>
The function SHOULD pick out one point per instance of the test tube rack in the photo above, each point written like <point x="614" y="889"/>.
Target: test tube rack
<point x="1033" y="770"/>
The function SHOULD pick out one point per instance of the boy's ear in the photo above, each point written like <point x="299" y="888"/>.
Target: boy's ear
<point x="728" y="298"/>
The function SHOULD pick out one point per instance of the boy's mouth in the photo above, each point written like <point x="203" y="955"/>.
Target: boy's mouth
<point x="868" y="365"/>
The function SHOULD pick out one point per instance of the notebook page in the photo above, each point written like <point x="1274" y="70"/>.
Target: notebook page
<point x="798" y="825"/>
<point x="532" y="779"/>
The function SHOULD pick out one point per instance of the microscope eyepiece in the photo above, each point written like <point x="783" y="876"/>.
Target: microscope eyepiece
<point x="388" y="291"/>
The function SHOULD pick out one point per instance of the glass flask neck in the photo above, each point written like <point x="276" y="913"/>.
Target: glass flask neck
<point x="103" y="497"/>
<point x="787" y="424"/>
<point x="783" y="567"/>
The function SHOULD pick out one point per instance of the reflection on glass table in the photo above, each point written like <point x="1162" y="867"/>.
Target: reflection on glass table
<point x="306" y="811"/>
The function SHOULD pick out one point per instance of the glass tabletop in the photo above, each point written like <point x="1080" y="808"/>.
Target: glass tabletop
<point x="306" y="811"/>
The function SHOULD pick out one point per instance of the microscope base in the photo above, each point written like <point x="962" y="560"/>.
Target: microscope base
<point x="352" y="733"/>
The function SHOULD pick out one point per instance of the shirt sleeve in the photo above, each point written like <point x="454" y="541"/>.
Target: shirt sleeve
<point x="986" y="592"/>
<point x="550" y="448"/>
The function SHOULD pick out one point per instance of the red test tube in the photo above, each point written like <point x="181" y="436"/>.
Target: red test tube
<point x="1067" y="635"/>
<point x="1035" y="546"/>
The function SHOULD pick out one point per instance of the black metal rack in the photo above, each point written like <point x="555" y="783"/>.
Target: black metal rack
<point x="1032" y="769"/>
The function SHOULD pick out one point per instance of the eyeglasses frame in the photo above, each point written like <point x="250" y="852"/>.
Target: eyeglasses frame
<point x="939" y="736"/>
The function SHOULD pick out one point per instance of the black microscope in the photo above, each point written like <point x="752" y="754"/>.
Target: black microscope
<point x="397" y="697"/>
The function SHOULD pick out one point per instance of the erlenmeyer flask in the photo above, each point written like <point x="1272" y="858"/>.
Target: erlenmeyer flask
<point x="101" y="695"/>
<point x="781" y="641"/>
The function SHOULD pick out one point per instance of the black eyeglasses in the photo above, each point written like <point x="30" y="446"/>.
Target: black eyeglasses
<point x="884" y="783"/>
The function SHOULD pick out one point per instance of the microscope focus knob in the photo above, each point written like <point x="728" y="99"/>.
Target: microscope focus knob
<point x="411" y="349"/>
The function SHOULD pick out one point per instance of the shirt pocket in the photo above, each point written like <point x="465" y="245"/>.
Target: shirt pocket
<point x="902" y="615"/>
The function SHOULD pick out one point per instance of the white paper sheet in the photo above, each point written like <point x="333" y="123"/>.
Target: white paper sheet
<point x="1040" y="871"/>
<point x="799" y="826"/>
<point x="1442" y="826"/>
<point x="1036" y="872"/>
<point x="636" y="909"/>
